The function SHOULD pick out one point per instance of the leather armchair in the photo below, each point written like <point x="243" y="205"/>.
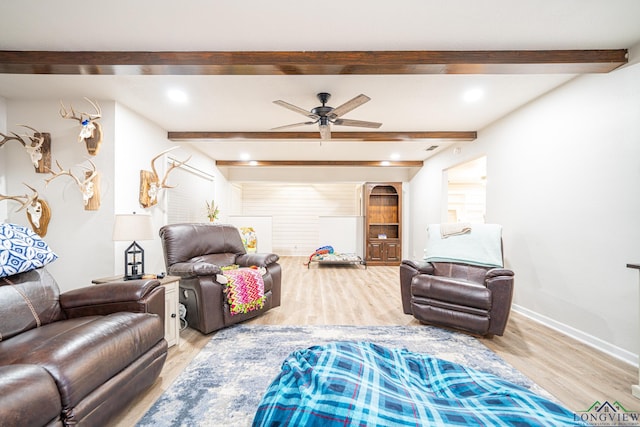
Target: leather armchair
<point x="80" y="357"/>
<point x="473" y="298"/>
<point x="196" y="253"/>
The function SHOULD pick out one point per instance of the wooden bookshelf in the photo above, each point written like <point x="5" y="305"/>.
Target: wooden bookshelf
<point x="383" y="223"/>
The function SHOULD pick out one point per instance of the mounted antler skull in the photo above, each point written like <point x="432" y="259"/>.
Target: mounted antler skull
<point x="91" y="131"/>
<point x="150" y="182"/>
<point x="38" y="212"/>
<point x="89" y="186"/>
<point x="37" y="146"/>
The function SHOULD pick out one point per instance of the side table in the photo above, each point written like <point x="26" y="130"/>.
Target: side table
<point x="171" y="318"/>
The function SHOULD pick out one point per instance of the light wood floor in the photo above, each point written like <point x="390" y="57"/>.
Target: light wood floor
<point x="574" y="373"/>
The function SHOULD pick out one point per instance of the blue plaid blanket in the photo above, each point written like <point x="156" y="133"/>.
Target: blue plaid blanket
<point x="364" y="384"/>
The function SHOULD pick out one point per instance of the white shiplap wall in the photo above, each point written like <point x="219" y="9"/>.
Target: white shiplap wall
<point x="296" y="209"/>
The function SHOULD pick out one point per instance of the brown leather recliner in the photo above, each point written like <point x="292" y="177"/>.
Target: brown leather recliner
<point x="469" y="297"/>
<point x="196" y="253"/>
<point x="79" y="357"/>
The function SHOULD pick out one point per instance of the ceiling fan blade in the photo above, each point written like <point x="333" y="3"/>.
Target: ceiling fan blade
<point x="296" y="109"/>
<point x="325" y="132"/>
<point x="358" y="123"/>
<point x="349" y="105"/>
<point x="294" y="125"/>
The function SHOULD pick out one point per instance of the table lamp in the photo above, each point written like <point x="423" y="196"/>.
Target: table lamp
<point x="133" y="227"/>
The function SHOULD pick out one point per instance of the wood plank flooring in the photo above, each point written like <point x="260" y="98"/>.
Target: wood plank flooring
<point x="573" y="372"/>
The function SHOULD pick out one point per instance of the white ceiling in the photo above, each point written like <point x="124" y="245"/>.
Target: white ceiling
<point x="244" y="103"/>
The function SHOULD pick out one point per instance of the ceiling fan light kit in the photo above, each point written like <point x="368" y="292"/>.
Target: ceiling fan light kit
<point x="325" y="115"/>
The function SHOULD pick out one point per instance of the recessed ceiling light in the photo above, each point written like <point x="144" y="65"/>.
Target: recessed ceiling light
<point x="384" y="163"/>
<point x="394" y="156"/>
<point x="253" y="163"/>
<point x="244" y="156"/>
<point x="177" y="95"/>
<point x="473" y="95"/>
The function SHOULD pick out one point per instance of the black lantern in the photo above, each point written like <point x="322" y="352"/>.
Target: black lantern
<point x="133" y="227"/>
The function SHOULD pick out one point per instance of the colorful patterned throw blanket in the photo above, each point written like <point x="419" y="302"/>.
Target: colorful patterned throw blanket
<point x="364" y="384"/>
<point x="244" y="289"/>
<point x="325" y="250"/>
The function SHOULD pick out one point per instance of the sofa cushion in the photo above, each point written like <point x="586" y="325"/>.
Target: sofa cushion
<point x="22" y="250"/>
<point x="29" y="396"/>
<point x="81" y="354"/>
<point x="29" y="300"/>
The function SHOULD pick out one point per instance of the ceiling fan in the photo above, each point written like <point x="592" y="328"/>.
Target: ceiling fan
<point x="324" y="114"/>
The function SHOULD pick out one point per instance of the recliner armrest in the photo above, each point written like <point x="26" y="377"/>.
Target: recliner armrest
<point x="194" y="269"/>
<point x="496" y="272"/>
<point x="500" y="283"/>
<point x="141" y="296"/>
<point x="421" y="267"/>
<point x="260" y="259"/>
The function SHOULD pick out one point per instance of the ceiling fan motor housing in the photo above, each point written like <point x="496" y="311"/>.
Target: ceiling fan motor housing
<point x="322" y="111"/>
<point x="324" y="97"/>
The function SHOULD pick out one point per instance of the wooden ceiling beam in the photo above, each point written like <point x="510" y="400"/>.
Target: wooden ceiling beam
<point x="332" y="163"/>
<point x="312" y="63"/>
<point x="349" y="136"/>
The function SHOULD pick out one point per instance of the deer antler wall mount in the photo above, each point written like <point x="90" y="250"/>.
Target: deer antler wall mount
<point x="37" y="146"/>
<point x="89" y="185"/>
<point x="38" y="212"/>
<point x="150" y="182"/>
<point x="91" y="131"/>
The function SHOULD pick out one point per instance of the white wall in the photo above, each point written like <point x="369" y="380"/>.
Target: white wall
<point x="344" y="233"/>
<point x="138" y="140"/>
<point x="562" y="177"/>
<point x="296" y="209"/>
<point x="81" y="238"/>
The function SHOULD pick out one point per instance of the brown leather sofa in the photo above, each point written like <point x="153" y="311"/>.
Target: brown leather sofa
<point x="79" y="357"/>
<point x="196" y="253"/>
<point x="472" y="298"/>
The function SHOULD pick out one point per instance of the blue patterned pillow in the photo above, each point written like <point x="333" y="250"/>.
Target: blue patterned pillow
<point x="22" y="250"/>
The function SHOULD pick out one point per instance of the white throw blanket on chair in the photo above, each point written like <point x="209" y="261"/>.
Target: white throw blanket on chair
<point x="480" y="246"/>
<point x="454" y="229"/>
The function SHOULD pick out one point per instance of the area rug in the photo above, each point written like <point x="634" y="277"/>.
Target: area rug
<point x="224" y="383"/>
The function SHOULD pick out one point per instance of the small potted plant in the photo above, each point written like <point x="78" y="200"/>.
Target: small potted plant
<point x="212" y="211"/>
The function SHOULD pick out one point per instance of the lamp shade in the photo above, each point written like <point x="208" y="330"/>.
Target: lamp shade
<point x="133" y="227"/>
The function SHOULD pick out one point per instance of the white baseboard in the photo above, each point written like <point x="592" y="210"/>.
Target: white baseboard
<point x="590" y="340"/>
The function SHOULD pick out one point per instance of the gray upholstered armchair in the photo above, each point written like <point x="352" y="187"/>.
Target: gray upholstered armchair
<point x="196" y="253"/>
<point x="461" y="283"/>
